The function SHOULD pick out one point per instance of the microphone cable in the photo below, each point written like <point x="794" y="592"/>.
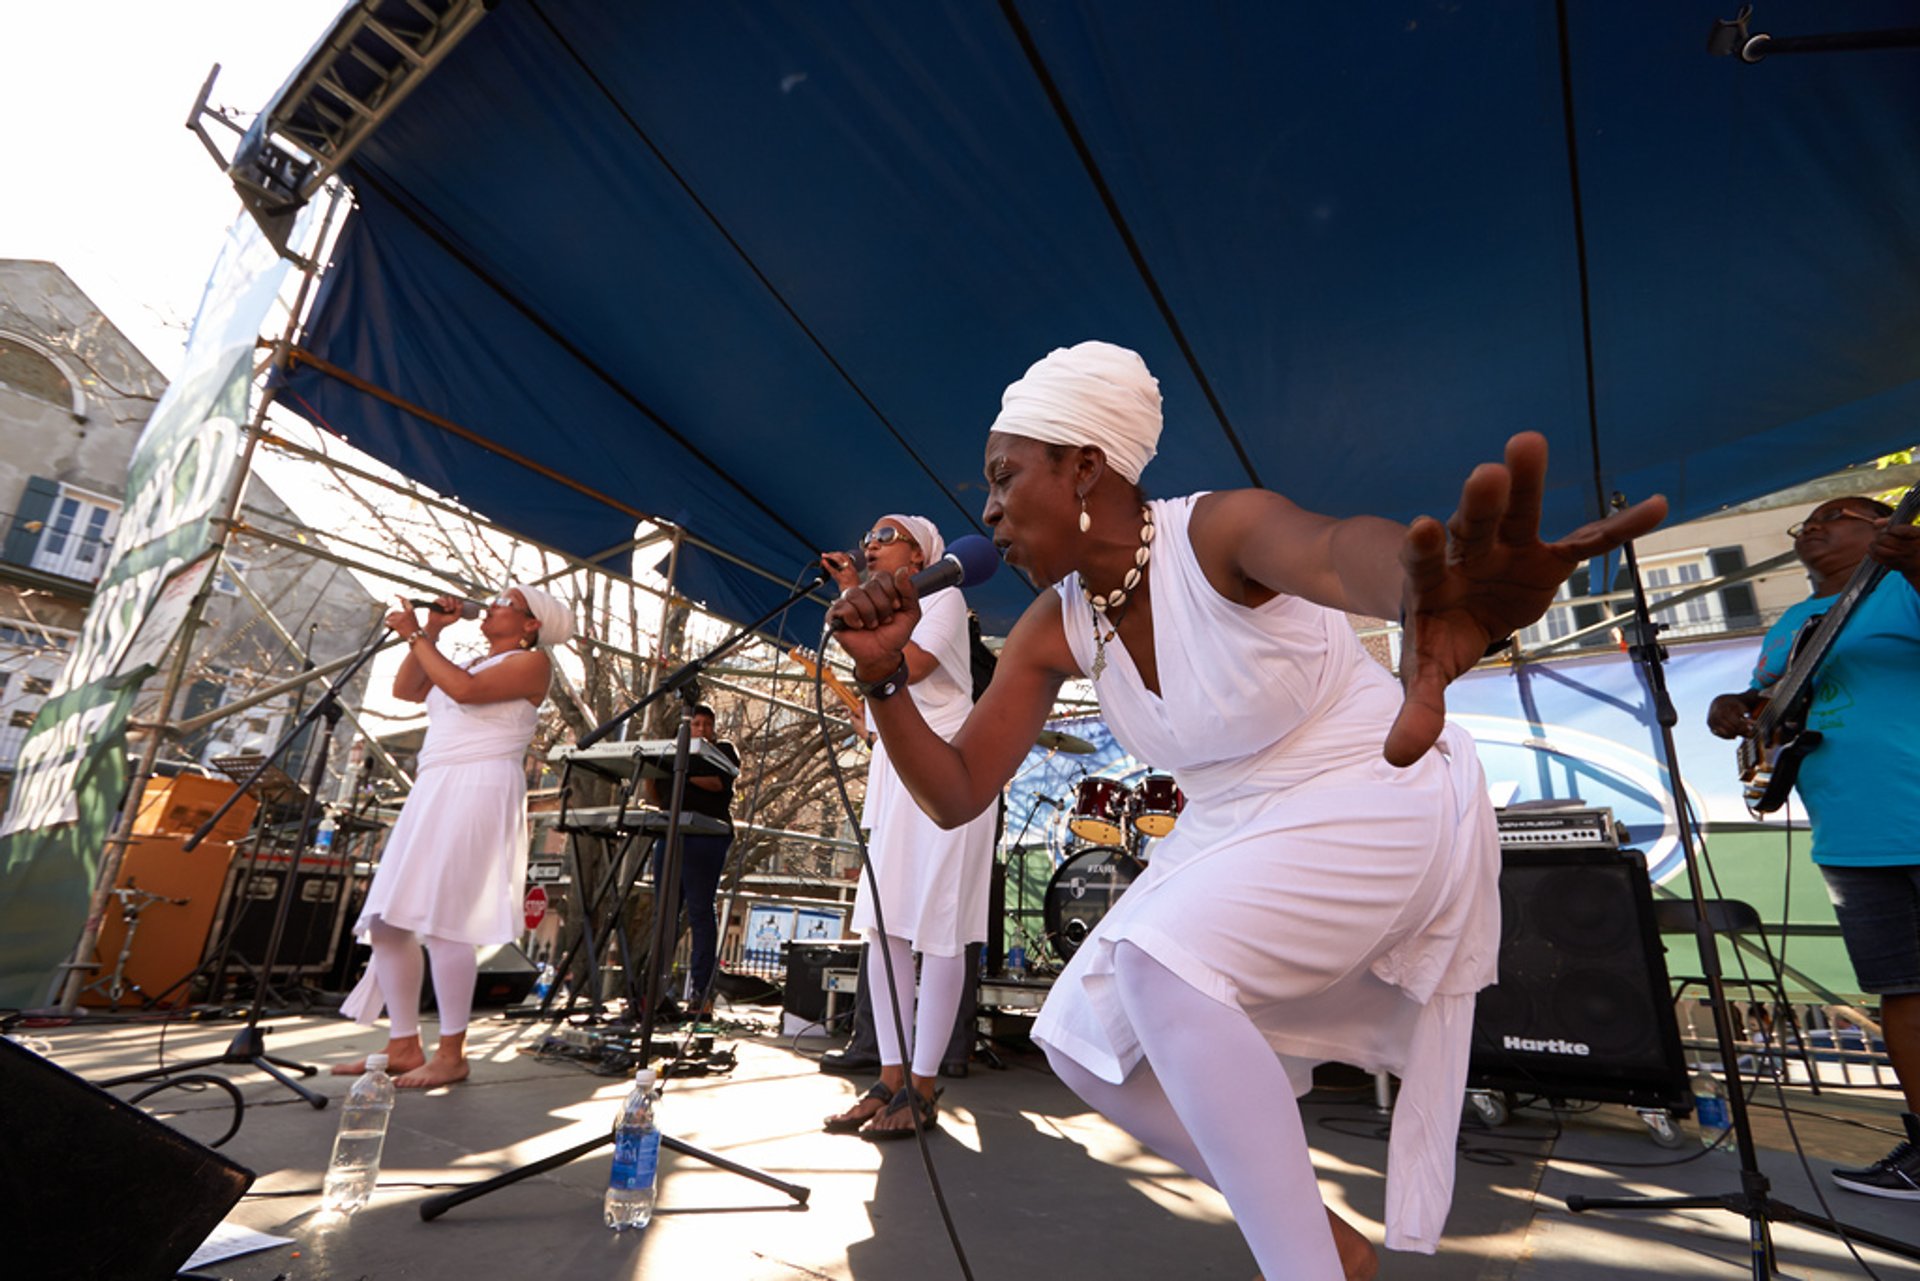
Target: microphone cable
<point x="886" y="956"/>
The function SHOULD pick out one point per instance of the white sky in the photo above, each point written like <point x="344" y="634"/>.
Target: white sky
<point x="98" y="170"/>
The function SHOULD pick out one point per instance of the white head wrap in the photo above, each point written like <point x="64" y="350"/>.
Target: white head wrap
<point x="555" y="619"/>
<point x="1092" y="393"/>
<point x="924" y="535"/>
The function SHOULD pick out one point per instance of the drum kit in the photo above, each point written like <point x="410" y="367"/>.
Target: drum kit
<point x="1111" y="826"/>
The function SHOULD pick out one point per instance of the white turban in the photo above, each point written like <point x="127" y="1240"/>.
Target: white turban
<point x="923" y="534"/>
<point x="555" y="619"/>
<point x="1093" y="393"/>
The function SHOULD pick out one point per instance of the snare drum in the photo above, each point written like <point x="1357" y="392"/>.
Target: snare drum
<point x="1155" y="805"/>
<point x="1084" y="889"/>
<point x="1100" y="811"/>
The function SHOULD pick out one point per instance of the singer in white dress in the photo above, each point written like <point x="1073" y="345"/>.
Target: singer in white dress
<point x="1330" y="891"/>
<point x="932" y="883"/>
<point x="453" y="872"/>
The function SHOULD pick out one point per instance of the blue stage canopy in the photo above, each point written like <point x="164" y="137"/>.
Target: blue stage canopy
<point x="762" y="269"/>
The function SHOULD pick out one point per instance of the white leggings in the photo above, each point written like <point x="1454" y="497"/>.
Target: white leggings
<point x="943" y="979"/>
<point x="1212" y="1097"/>
<point x="396" y="964"/>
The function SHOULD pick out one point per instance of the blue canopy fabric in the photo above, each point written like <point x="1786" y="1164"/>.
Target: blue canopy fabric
<point x="762" y="269"/>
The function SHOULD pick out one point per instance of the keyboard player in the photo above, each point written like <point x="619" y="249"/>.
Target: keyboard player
<point x="702" y="858"/>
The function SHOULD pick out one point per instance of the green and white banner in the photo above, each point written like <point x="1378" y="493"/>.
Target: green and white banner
<point x="72" y="773"/>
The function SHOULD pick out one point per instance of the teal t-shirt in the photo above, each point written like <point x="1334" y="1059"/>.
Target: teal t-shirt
<point x="1861" y="785"/>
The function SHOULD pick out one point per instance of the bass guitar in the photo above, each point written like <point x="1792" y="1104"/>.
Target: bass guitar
<point x="1769" y="757"/>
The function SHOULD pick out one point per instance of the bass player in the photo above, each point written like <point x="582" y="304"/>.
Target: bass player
<point x="1863" y="780"/>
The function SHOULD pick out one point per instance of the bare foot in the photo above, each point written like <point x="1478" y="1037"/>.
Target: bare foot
<point x="1357" y="1257"/>
<point x="396" y="1063"/>
<point x="439" y="1070"/>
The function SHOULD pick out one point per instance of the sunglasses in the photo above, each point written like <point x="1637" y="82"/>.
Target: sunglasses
<point x="882" y="536"/>
<point x="506" y="602"/>
<point x="1845" y="513"/>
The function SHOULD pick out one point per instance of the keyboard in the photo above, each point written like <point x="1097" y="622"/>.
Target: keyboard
<point x="612" y="820"/>
<point x="644" y="757"/>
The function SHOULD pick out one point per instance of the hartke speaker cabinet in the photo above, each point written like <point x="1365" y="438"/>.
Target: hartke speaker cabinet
<point x="1583" y="1009"/>
<point x="92" y="1188"/>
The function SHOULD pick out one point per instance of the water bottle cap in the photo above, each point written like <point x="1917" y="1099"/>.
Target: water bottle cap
<point x="376" y="1062"/>
<point x="643" y="1077"/>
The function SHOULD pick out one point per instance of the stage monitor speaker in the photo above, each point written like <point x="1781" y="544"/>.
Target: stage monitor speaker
<point x="91" y="1187"/>
<point x="1583" y="1009"/>
<point x="807" y="961"/>
<point x="506" y="977"/>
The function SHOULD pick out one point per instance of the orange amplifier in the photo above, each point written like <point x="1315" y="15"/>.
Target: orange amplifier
<point x="169" y="937"/>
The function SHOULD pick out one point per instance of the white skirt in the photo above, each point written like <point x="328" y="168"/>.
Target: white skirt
<point x="455" y="865"/>
<point x="933" y="883"/>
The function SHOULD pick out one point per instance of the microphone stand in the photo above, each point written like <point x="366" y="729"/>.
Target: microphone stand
<point x="666" y="926"/>
<point x="1752" y="1201"/>
<point x="248" y="1047"/>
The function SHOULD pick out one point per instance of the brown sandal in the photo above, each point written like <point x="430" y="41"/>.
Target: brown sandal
<point x="928" y="1110"/>
<point x="847" y="1123"/>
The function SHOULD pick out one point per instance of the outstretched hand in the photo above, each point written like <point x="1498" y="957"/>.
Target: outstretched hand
<point x="1481" y="577"/>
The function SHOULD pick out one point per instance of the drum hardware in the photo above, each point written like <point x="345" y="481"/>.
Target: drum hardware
<point x="133" y="901"/>
<point x="1059" y="741"/>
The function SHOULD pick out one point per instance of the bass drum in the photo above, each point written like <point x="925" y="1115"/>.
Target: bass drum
<point x="1084" y="889"/>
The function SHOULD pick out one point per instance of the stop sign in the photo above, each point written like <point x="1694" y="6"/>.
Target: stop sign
<point x="536" y="905"/>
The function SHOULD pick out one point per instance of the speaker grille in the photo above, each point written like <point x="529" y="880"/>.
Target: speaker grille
<point x="1583" y="1008"/>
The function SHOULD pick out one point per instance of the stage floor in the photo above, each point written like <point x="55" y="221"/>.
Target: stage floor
<point x="1037" y="1185"/>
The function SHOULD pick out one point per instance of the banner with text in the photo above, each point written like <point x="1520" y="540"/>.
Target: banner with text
<point x="72" y="770"/>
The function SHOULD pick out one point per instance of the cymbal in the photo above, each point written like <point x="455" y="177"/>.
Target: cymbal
<point x="1056" y="741"/>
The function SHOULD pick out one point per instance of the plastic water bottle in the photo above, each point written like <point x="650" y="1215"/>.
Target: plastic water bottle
<point x="636" y="1158"/>
<point x="355" y="1166"/>
<point x="1017" y="961"/>
<point x="1710" y="1106"/>
<point x="544" y="984"/>
<point x="323" y="836"/>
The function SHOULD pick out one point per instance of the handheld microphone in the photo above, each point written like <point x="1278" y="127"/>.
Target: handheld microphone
<point x="466" y="608"/>
<point x="970" y="559"/>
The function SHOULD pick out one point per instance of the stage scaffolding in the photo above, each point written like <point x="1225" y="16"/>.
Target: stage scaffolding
<point x="602" y="590"/>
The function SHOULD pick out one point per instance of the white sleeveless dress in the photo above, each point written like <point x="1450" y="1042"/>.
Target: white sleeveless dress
<point x="933" y="883"/>
<point x="455" y="864"/>
<point x="1350" y="908"/>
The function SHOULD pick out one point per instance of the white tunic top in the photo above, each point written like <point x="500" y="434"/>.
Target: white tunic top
<point x="933" y="883"/>
<point x="1349" y="907"/>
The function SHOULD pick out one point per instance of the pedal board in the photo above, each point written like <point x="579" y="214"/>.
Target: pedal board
<point x="616" y="1052"/>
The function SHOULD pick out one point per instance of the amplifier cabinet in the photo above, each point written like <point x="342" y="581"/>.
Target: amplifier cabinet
<point x="808" y="960"/>
<point x="1583" y="1008"/>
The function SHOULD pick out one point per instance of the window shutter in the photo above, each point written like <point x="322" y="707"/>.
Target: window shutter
<point x="29" y="518"/>
<point x="1743" y="608"/>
